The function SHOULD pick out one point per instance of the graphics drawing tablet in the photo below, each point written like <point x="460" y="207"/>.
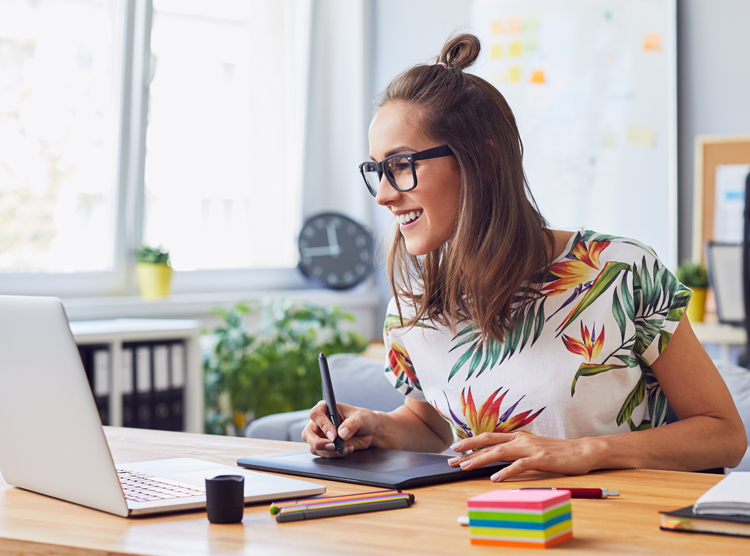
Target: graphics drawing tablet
<point x="374" y="467"/>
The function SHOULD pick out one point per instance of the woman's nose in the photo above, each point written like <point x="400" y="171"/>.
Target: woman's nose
<point x="386" y="192"/>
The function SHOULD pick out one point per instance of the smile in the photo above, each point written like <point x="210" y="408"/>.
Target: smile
<point x="408" y="217"/>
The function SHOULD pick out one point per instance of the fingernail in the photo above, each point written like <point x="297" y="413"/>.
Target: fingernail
<point x="495" y="478"/>
<point x="330" y="436"/>
<point x="465" y="464"/>
<point x="456" y="447"/>
<point x="344" y="433"/>
<point x="451" y="461"/>
<point x="329" y="447"/>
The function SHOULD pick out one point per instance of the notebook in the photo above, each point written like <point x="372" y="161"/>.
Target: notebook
<point x="373" y="467"/>
<point x="52" y="441"/>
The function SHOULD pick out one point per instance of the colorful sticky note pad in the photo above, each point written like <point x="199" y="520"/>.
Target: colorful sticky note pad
<point x="496" y="51"/>
<point x="516" y="48"/>
<point x="514" y="74"/>
<point x="652" y="42"/>
<point x="497" y="27"/>
<point x="537" y="76"/>
<point x="531" y="518"/>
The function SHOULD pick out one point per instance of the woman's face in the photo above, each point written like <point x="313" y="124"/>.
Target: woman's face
<point x="433" y="204"/>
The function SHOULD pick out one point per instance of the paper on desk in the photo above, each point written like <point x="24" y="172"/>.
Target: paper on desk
<point x="731" y="496"/>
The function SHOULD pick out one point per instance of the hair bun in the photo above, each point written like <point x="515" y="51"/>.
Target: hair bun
<point x="460" y="51"/>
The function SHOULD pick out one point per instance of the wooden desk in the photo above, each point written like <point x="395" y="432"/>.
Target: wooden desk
<point x="629" y="524"/>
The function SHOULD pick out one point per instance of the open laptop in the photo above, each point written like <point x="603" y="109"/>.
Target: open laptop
<point x="52" y="441"/>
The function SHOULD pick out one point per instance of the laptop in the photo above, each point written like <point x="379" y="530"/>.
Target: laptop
<point x="52" y="441"/>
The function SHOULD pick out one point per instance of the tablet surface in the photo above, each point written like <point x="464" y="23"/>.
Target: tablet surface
<point x="374" y="467"/>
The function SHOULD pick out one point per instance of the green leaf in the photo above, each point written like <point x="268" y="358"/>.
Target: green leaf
<point x="619" y="315"/>
<point x="629" y="360"/>
<point x="590" y="370"/>
<point x="461" y="361"/>
<point x="664" y="338"/>
<point x="539" y="325"/>
<point x="603" y="281"/>
<point x="475" y="361"/>
<point x="634" y="399"/>
<point x="528" y="325"/>
<point x="627" y="299"/>
<point x="646" y="285"/>
<point x="511" y="342"/>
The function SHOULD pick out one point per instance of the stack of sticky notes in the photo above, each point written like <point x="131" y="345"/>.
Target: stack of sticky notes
<point x="528" y="518"/>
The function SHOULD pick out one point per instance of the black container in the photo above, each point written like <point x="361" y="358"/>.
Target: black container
<point x="225" y="498"/>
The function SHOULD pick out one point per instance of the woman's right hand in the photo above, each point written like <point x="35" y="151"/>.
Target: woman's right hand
<point x="357" y="429"/>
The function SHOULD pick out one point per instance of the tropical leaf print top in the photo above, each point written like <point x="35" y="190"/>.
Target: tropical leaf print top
<point x="578" y="361"/>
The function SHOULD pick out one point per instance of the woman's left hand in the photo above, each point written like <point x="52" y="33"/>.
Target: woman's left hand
<point x="527" y="452"/>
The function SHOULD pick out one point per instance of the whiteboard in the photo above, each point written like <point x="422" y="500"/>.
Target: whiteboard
<point x="592" y="84"/>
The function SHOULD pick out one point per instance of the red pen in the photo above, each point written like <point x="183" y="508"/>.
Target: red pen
<point x="582" y="492"/>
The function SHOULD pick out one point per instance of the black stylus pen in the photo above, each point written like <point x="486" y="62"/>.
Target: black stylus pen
<point x="333" y="411"/>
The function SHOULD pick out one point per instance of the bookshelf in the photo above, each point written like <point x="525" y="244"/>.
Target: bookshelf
<point x="137" y="367"/>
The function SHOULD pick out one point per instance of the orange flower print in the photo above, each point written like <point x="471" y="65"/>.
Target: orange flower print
<point x="589" y="346"/>
<point x="401" y="365"/>
<point x="487" y="418"/>
<point x="581" y="265"/>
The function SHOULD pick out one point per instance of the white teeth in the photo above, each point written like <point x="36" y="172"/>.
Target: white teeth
<point x="405" y="218"/>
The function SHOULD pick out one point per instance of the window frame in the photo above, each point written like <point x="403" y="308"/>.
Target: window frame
<point x="132" y="34"/>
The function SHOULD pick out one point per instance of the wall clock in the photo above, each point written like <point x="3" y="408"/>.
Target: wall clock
<point x="335" y="251"/>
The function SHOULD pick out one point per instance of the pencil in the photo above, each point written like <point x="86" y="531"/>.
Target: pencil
<point x="341" y="503"/>
<point x="276" y="506"/>
<point x="347" y="509"/>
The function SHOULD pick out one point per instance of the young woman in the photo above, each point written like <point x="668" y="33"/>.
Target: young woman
<point x="556" y="351"/>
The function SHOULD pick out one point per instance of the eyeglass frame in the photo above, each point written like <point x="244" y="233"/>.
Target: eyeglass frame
<point x="434" y="152"/>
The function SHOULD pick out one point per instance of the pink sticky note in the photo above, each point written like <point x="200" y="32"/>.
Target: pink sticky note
<point x="538" y="500"/>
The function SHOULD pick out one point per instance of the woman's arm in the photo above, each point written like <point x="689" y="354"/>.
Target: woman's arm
<point x="709" y="432"/>
<point x="414" y="426"/>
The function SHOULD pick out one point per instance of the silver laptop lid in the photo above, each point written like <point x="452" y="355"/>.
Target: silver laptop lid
<point x="51" y="439"/>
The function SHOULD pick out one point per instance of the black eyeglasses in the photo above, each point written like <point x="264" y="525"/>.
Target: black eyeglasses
<point x="399" y="169"/>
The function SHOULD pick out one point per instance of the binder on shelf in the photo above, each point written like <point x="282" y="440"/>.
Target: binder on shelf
<point x="96" y="363"/>
<point x="128" y="389"/>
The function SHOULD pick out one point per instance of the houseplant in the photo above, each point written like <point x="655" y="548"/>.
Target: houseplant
<point x="274" y="369"/>
<point x="695" y="277"/>
<point x="153" y="271"/>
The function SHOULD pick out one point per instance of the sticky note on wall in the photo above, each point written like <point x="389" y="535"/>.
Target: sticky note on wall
<point x="514" y="74"/>
<point x="496" y="51"/>
<point x="537" y="76"/>
<point x="652" y="42"/>
<point x="516" y="49"/>
<point x="641" y="136"/>
<point x="514" y="25"/>
<point x="497" y="27"/>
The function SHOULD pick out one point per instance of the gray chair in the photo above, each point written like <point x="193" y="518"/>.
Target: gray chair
<point x="357" y="380"/>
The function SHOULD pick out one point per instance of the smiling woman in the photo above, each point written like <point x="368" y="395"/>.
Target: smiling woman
<point x="501" y="327"/>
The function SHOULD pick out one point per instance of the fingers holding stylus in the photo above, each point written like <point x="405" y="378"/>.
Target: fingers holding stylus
<point x="321" y="434"/>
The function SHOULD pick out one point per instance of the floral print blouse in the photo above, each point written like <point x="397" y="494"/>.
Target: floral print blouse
<point x="577" y="362"/>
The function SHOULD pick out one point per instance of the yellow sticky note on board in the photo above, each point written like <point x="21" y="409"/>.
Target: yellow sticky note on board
<point x="497" y="27"/>
<point x="496" y="51"/>
<point x="537" y="76"/>
<point x="516" y="49"/>
<point x="514" y="74"/>
<point x="514" y="25"/>
<point x="652" y="42"/>
<point x="641" y="136"/>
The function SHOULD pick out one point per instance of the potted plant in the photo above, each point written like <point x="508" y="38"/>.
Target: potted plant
<point x="695" y="277"/>
<point x="154" y="272"/>
<point x="274" y="370"/>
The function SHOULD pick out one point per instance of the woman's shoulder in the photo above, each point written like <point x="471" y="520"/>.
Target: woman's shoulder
<point x="612" y="247"/>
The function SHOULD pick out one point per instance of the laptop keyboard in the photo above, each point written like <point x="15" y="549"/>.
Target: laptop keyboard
<point x="140" y="487"/>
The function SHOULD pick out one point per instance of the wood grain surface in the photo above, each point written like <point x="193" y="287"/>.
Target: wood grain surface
<point x="629" y="524"/>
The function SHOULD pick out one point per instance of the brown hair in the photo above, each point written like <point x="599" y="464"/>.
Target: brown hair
<point x="501" y="240"/>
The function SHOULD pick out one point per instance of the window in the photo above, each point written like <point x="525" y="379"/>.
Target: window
<point x="177" y="123"/>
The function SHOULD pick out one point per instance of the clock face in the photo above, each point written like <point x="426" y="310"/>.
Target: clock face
<point x="335" y="251"/>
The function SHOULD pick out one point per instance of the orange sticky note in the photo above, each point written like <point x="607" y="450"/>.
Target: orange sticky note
<point x="516" y="48"/>
<point x="514" y="25"/>
<point x="497" y="27"/>
<point x="514" y="74"/>
<point x="537" y="76"/>
<point x="652" y="42"/>
<point x="496" y="51"/>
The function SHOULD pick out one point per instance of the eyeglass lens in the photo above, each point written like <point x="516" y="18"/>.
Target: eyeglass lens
<point x="398" y="170"/>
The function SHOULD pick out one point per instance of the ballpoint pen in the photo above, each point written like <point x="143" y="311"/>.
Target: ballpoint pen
<point x="581" y="492"/>
<point x="330" y="398"/>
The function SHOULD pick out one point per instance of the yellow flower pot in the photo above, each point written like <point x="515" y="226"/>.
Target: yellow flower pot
<point x="696" y="309"/>
<point x="155" y="280"/>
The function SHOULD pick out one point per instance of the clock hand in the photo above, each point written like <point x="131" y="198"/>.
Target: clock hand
<point x="319" y="251"/>
<point x="333" y="242"/>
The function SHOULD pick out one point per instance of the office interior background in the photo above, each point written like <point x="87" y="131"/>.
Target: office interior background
<point x="216" y="128"/>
